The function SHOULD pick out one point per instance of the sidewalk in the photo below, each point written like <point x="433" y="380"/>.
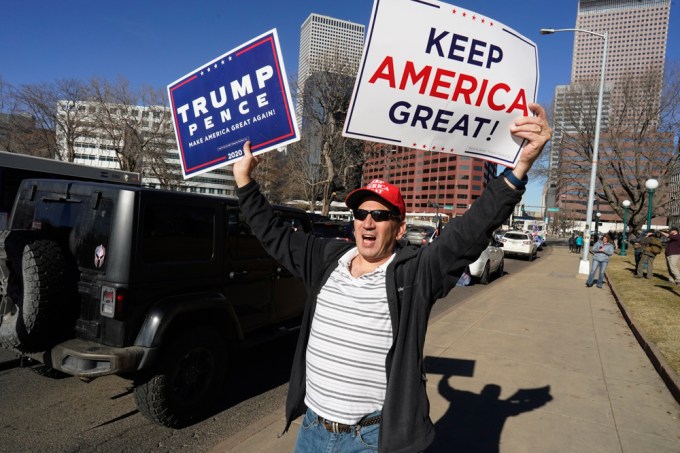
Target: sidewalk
<point x="536" y="362"/>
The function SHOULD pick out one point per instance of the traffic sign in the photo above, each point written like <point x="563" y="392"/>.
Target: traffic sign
<point x="553" y="209"/>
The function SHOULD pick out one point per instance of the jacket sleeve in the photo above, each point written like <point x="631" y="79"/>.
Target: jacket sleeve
<point x="295" y="250"/>
<point x="465" y="237"/>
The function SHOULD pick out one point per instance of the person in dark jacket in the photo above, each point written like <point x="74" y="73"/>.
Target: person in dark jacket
<point x="651" y="246"/>
<point x="358" y="374"/>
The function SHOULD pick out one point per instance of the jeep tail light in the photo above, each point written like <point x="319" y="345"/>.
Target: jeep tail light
<point x="112" y="301"/>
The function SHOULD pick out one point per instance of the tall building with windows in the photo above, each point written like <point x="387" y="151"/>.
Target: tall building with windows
<point x="326" y="42"/>
<point x="96" y="144"/>
<point x="637" y="35"/>
<point x="430" y="182"/>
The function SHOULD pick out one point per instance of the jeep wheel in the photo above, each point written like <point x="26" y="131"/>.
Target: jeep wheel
<point x="35" y="300"/>
<point x="189" y="379"/>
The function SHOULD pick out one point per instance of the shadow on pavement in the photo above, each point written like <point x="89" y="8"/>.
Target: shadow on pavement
<point x="258" y="369"/>
<point x="474" y="422"/>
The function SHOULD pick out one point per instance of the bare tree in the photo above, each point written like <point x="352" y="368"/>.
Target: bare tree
<point x="15" y="126"/>
<point x="636" y="142"/>
<point x="304" y="176"/>
<point x="138" y="127"/>
<point x="56" y="108"/>
<point x="325" y="99"/>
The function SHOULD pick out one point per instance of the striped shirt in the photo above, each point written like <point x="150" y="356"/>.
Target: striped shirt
<point x="350" y="336"/>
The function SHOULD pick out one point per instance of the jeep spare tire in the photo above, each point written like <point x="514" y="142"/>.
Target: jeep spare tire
<point x="35" y="300"/>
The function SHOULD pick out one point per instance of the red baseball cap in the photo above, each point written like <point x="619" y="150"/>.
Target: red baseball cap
<point x="386" y="191"/>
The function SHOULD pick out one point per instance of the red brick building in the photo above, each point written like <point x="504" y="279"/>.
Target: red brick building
<point x="429" y="179"/>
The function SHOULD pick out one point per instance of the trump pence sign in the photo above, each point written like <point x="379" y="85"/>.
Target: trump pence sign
<point x="437" y="77"/>
<point x="239" y="96"/>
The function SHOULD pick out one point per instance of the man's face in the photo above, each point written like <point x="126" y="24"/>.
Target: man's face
<point x="376" y="240"/>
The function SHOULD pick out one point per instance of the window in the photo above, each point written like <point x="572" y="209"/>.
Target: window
<point x="183" y="233"/>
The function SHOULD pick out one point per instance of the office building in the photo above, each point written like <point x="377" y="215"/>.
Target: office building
<point x="327" y="43"/>
<point x="637" y="35"/>
<point x="97" y="143"/>
<point x="430" y="182"/>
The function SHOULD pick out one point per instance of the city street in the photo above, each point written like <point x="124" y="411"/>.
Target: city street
<point x="60" y="415"/>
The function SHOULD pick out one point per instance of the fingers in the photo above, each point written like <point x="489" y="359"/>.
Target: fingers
<point x="244" y="166"/>
<point x="538" y="124"/>
<point x="536" y="131"/>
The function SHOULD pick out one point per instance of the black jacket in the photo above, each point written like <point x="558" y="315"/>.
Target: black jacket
<point x="415" y="279"/>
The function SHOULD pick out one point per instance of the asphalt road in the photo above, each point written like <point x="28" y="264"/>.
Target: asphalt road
<point x="66" y="415"/>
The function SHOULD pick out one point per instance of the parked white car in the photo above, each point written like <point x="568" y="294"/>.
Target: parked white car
<point x="489" y="265"/>
<point x="519" y="243"/>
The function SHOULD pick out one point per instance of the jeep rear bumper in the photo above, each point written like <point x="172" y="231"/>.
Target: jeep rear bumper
<point x="87" y="359"/>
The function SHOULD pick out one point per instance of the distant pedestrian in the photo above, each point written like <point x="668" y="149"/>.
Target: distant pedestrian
<point x="673" y="255"/>
<point x="651" y="246"/>
<point x="572" y="243"/>
<point x="579" y="243"/>
<point x="634" y="240"/>
<point x="601" y="251"/>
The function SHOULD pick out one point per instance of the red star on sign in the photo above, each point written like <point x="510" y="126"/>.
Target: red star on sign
<point x="454" y="11"/>
<point x="464" y="14"/>
<point x="482" y="20"/>
<point x="474" y="17"/>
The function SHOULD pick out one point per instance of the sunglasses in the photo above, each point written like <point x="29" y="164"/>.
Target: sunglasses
<point x="378" y="215"/>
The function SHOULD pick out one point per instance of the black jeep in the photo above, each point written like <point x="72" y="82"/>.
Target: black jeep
<point x="153" y="285"/>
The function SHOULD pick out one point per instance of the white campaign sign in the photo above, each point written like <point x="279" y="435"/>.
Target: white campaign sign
<point x="441" y="78"/>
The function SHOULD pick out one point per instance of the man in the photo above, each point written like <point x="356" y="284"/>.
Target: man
<point x="634" y="240"/>
<point x="651" y="246"/>
<point x="358" y="373"/>
<point x="673" y="255"/>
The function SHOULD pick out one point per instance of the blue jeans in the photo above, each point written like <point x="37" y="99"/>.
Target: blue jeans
<point x="601" y="265"/>
<point x="313" y="437"/>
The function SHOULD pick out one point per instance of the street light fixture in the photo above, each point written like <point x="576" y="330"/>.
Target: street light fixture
<point x="597" y="224"/>
<point x="584" y="265"/>
<point x="651" y="185"/>
<point x="626" y="205"/>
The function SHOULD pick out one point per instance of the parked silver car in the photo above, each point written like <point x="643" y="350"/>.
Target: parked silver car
<point x="489" y="265"/>
<point x="420" y="234"/>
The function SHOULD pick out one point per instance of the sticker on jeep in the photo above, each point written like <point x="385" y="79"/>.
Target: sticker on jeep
<point x="99" y="255"/>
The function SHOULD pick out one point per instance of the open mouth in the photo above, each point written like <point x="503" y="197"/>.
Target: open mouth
<point x="368" y="239"/>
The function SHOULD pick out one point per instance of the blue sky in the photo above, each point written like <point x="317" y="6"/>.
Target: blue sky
<point x="154" y="42"/>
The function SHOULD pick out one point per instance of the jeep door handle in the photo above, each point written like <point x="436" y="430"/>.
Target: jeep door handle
<point x="237" y="275"/>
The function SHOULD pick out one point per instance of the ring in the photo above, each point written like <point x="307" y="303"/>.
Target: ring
<point x="540" y="129"/>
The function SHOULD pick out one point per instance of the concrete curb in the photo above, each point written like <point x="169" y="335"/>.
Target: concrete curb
<point x="668" y="375"/>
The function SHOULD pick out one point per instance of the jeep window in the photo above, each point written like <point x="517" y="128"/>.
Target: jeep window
<point x="242" y="242"/>
<point x="177" y="233"/>
<point x="93" y="228"/>
<point x="72" y="219"/>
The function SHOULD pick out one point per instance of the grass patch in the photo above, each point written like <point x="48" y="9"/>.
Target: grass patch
<point x="654" y="304"/>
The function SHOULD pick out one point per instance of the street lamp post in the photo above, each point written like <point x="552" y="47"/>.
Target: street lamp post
<point x="584" y="265"/>
<point x="626" y="205"/>
<point x="597" y="224"/>
<point x="651" y="185"/>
